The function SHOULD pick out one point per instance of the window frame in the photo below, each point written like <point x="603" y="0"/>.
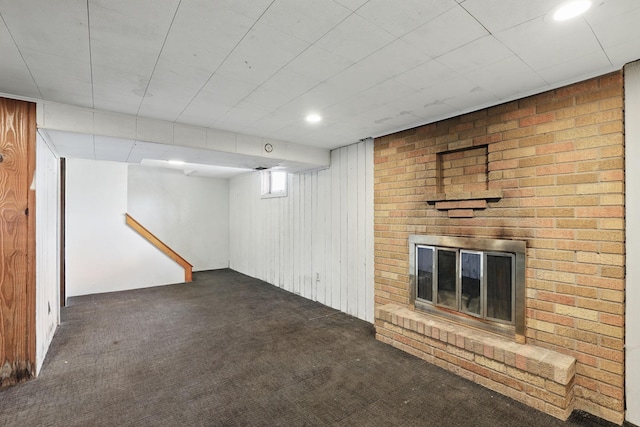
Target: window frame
<point x="486" y="247"/>
<point x="266" y="184"/>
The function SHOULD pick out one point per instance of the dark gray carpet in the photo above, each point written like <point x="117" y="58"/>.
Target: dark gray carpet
<point x="229" y="350"/>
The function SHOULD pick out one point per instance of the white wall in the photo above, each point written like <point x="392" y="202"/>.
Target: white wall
<point x="316" y="242"/>
<point x="190" y="214"/>
<point x="632" y="318"/>
<point x="102" y="253"/>
<point x="47" y="255"/>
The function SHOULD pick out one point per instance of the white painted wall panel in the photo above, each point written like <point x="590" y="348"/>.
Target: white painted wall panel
<point x="316" y="242"/>
<point x="188" y="213"/>
<point x="47" y="259"/>
<point x="102" y="253"/>
<point x="632" y="319"/>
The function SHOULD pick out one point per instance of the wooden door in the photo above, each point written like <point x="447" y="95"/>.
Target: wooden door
<point x="17" y="241"/>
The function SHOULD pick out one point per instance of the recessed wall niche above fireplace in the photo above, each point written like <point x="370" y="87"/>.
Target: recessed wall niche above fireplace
<point x="479" y="282"/>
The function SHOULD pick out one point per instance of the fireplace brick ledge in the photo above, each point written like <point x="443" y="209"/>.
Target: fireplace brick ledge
<point x="536" y="376"/>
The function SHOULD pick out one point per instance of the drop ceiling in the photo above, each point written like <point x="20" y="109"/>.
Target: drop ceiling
<point x="257" y="67"/>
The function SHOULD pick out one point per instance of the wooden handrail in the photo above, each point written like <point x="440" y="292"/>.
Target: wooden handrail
<point x="188" y="268"/>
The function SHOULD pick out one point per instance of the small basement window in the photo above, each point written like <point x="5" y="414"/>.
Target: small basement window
<point x="476" y="281"/>
<point x="274" y="183"/>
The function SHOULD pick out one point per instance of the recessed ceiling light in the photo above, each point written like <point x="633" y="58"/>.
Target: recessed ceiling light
<point x="571" y="10"/>
<point x="313" y="118"/>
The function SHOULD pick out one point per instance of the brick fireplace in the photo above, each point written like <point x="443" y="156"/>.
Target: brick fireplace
<point x="546" y="173"/>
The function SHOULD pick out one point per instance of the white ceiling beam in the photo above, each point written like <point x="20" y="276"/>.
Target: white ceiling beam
<point x="62" y="117"/>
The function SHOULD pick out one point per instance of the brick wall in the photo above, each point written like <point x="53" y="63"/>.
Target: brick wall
<point x="556" y="160"/>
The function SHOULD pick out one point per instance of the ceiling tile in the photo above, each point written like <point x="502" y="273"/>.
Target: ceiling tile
<point x="387" y="116"/>
<point x="444" y="34"/>
<point x="589" y="65"/>
<point x="306" y="21"/>
<point x="228" y="90"/>
<point x="14" y="74"/>
<point x="543" y="44"/>
<point x="319" y="64"/>
<point x="252" y="9"/>
<point x="395" y="58"/>
<point x="399" y="18"/>
<point x="444" y="98"/>
<point x="354" y="80"/>
<point x="275" y="121"/>
<point x="245" y="113"/>
<point x="187" y="76"/>
<point x="389" y="91"/>
<point x="505" y="78"/>
<point x="619" y="32"/>
<point x="165" y="100"/>
<point x="37" y="25"/>
<point x="119" y="80"/>
<point x="70" y="97"/>
<point x="202" y="35"/>
<point x="202" y="28"/>
<point x="478" y="53"/>
<point x="280" y="89"/>
<point x="351" y="4"/>
<point x="261" y="54"/>
<point x="607" y="10"/>
<point x="421" y="104"/>
<point x="204" y="109"/>
<point x="355" y="38"/>
<point x="116" y="100"/>
<point x="137" y="59"/>
<point x="321" y="96"/>
<point x="425" y="75"/>
<point x="498" y="15"/>
<point x="50" y="69"/>
<point x="128" y="36"/>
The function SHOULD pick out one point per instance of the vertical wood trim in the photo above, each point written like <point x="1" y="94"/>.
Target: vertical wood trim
<point x="308" y="242"/>
<point x="17" y="241"/>
<point x="335" y="229"/>
<point x="344" y="231"/>
<point x="326" y="203"/>
<point x="63" y="210"/>
<point x="361" y="232"/>
<point x="352" y="229"/>
<point x="369" y="233"/>
<point x="31" y="237"/>
<point x="632" y="225"/>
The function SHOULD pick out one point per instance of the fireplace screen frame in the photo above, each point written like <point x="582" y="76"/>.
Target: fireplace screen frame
<point x="515" y="249"/>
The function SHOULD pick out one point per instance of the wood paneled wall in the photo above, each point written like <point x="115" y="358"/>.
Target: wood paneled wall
<point x="318" y="240"/>
<point x="17" y="240"/>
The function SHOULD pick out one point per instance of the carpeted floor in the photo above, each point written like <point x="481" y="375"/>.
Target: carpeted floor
<point x="229" y="350"/>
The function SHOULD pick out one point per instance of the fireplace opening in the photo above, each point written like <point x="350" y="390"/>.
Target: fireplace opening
<point x="475" y="281"/>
